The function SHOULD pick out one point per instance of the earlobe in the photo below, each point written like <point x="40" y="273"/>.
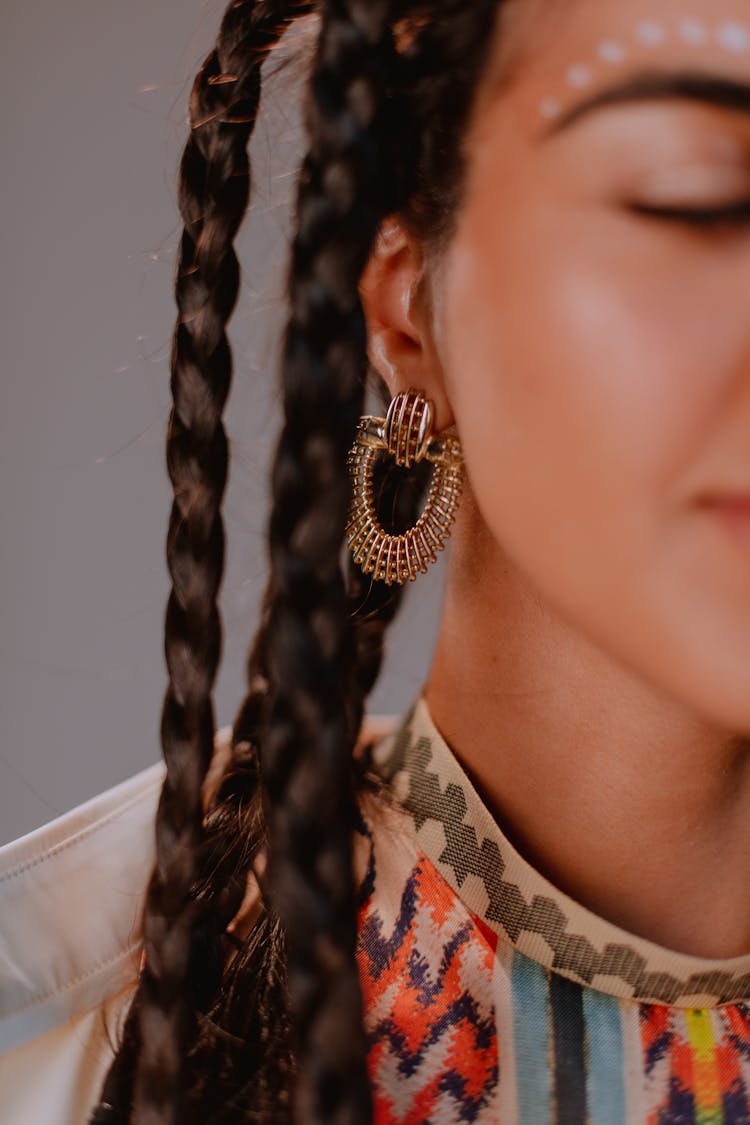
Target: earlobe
<point x="400" y="344"/>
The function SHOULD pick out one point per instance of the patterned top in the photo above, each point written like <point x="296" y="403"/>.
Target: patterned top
<point x="492" y="996"/>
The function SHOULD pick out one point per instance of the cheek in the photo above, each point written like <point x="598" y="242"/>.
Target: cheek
<point x="591" y="388"/>
<point x="594" y="368"/>
<point x="582" y="382"/>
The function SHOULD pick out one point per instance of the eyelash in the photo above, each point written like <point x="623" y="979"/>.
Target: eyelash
<point x="707" y="218"/>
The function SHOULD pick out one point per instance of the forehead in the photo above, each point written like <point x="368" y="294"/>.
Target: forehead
<point x="548" y="52"/>
<point x="547" y="24"/>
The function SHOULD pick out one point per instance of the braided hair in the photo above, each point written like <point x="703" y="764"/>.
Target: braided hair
<point x="267" y="1027"/>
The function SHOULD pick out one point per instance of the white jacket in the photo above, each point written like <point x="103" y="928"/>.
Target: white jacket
<point x="71" y="895"/>
<point x="70" y="900"/>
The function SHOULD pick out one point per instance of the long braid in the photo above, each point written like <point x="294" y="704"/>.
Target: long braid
<point x="385" y="130"/>
<point x="290" y="647"/>
<point x="214" y="193"/>
<point x="314" y="703"/>
<point x="181" y="931"/>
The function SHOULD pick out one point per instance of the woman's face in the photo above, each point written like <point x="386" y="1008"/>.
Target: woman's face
<point x="597" y="357"/>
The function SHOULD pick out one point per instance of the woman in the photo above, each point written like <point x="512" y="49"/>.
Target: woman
<point x="526" y="903"/>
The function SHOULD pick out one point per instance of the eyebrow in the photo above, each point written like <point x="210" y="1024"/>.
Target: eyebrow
<point x="645" y="85"/>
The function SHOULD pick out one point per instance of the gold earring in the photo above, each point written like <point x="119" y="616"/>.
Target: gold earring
<point x="406" y="434"/>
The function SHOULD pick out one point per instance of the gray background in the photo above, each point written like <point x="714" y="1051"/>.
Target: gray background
<point x="95" y="98"/>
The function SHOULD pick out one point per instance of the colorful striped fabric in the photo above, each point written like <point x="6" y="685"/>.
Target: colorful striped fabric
<point x="491" y="996"/>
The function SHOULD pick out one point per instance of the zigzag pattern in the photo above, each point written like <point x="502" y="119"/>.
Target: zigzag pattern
<point x="433" y="1047"/>
<point x="464" y="855"/>
<point x="677" y="1076"/>
<point x="439" y="925"/>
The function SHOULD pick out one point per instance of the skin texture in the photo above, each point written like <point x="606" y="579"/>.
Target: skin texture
<point x="592" y="670"/>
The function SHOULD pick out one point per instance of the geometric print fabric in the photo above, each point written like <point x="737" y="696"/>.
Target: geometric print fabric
<point x="477" y="978"/>
<point x="453" y="826"/>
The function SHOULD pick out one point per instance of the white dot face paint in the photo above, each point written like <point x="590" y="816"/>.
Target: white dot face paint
<point x="733" y="37"/>
<point x="693" y="32"/>
<point x="579" y="76"/>
<point x="611" y="51"/>
<point x="650" y="34"/>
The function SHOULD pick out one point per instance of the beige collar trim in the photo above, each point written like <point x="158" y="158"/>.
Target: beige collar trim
<point x="457" y="833"/>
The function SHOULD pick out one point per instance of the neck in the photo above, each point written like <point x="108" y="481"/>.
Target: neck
<point x="624" y="798"/>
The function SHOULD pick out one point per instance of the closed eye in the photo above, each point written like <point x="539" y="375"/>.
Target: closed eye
<point x="730" y="215"/>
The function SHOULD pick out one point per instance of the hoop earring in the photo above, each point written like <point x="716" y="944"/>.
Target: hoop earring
<point x="406" y="434"/>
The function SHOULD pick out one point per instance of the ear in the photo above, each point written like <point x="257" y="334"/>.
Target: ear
<point x="401" y="343"/>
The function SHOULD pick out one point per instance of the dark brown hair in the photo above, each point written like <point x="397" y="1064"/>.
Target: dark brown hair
<point x="268" y="1027"/>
